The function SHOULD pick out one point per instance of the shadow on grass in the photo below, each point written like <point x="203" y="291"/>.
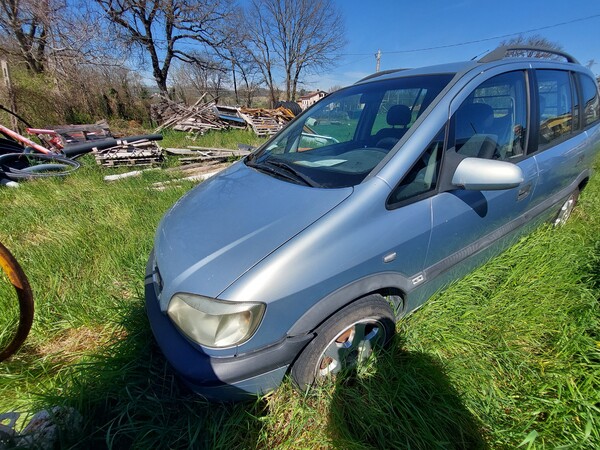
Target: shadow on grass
<point x="129" y="398"/>
<point x="403" y="400"/>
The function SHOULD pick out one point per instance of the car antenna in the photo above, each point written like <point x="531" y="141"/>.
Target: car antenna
<point x="478" y="54"/>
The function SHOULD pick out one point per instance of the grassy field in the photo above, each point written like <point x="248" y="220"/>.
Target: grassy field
<point x="507" y="357"/>
<point x="229" y="139"/>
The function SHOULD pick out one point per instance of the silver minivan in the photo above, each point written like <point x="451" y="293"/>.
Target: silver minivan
<point x="300" y="258"/>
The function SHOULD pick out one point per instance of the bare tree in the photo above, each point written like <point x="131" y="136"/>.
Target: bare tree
<point x="250" y="78"/>
<point x="537" y="41"/>
<point x="208" y="76"/>
<point x="244" y="69"/>
<point x="24" y="27"/>
<point x="161" y="28"/>
<point x="50" y="35"/>
<point x="258" y="45"/>
<point x="296" y="36"/>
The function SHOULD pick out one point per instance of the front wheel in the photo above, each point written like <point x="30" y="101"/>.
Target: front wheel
<point x="567" y="208"/>
<point x="344" y="340"/>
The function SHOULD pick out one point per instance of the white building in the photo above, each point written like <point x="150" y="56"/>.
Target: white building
<point x="312" y="97"/>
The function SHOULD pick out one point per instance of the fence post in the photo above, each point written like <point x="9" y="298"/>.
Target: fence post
<point x="11" y="95"/>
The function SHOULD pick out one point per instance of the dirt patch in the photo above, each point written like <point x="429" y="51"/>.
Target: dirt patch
<point x="73" y="343"/>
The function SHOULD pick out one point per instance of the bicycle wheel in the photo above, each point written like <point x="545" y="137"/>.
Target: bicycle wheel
<point x="16" y="317"/>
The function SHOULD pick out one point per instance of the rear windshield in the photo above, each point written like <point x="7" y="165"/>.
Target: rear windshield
<point x="339" y="141"/>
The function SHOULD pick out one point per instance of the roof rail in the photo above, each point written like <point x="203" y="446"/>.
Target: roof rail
<point x="501" y="53"/>
<point x="378" y="74"/>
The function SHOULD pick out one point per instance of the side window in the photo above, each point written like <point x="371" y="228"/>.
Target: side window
<point x="492" y="122"/>
<point x="423" y="176"/>
<point x="555" y="105"/>
<point x="591" y="104"/>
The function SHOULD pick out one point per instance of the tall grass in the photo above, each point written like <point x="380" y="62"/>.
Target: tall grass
<point x="214" y="139"/>
<point x="507" y="357"/>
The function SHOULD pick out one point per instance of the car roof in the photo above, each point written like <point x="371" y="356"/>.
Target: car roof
<point x="495" y="57"/>
<point x="427" y="70"/>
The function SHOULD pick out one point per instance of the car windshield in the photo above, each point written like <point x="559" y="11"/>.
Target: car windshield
<point x="341" y="139"/>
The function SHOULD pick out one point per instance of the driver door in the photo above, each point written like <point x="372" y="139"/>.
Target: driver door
<point x="490" y="123"/>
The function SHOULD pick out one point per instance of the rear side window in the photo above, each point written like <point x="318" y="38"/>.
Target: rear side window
<point x="555" y="106"/>
<point x="591" y="104"/>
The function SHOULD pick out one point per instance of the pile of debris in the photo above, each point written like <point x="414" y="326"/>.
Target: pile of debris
<point x="127" y="151"/>
<point x="58" y="137"/>
<point x="198" y="118"/>
<point x="201" y="117"/>
<point x="266" y="122"/>
<point x="197" y="164"/>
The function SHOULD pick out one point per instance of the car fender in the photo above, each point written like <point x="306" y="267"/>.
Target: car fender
<point x="345" y="295"/>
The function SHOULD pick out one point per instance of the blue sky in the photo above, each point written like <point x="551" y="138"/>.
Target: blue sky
<point x="397" y="27"/>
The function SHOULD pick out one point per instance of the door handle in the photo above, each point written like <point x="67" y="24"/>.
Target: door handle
<point x="524" y="192"/>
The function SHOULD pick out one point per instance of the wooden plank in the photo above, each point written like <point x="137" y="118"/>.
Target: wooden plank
<point x="184" y="152"/>
<point x="129" y="162"/>
<point x="203" y="158"/>
<point x="238" y="152"/>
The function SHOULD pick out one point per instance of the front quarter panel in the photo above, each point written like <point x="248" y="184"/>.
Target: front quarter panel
<point x="229" y="223"/>
<point x="348" y="244"/>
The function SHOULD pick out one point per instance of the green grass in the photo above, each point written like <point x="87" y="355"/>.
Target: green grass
<point x="508" y="356"/>
<point x="215" y="139"/>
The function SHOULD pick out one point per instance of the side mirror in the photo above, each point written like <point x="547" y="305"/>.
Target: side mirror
<point x="476" y="174"/>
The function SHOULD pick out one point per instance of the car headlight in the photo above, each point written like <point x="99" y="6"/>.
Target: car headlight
<point x="214" y="323"/>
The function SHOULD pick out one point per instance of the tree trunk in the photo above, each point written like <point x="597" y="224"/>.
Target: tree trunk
<point x="235" y="90"/>
<point x="161" y="82"/>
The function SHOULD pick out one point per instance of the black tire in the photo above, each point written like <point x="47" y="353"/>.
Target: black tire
<point x="341" y="341"/>
<point x="9" y="146"/>
<point x="19" y="166"/>
<point x="17" y="278"/>
<point x="294" y="107"/>
<point x="566" y="209"/>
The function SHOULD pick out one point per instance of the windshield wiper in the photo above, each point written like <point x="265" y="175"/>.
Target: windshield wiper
<point x="299" y="175"/>
<point x="274" y="171"/>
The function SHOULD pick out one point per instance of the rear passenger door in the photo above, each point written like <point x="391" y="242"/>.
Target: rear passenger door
<point x="560" y="141"/>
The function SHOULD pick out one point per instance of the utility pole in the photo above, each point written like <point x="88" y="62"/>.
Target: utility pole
<point x="378" y="58"/>
<point x="11" y="95"/>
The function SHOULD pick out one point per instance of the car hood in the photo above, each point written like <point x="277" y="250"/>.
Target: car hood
<point x="227" y="224"/>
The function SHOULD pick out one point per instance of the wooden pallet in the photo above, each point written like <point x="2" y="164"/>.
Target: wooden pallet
<point x="130" y="155"/>
<point x="128" y="162"/>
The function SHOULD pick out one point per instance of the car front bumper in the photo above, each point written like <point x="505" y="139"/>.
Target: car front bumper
<point x="235" y="377"/>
